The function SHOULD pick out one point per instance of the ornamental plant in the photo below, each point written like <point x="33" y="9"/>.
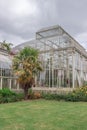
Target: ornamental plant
<point x="26" y="65"/>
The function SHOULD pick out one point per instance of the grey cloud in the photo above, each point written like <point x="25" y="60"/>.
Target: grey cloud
<point x="71" y="15"/>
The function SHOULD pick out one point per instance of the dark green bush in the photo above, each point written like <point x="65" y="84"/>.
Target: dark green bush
<point x="79" y="94"/>
<point x="5" y="92"/>
<point x="53" y="96"/>
<point x="7" y="95"/>
<point x="20" y="96"/>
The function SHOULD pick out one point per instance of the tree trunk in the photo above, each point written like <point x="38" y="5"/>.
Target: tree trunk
<point x="26" y="93"/>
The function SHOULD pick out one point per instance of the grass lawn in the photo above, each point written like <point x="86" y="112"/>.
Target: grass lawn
<point x="43" y="115"/>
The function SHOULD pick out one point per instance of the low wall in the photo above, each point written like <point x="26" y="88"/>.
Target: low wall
<point x="18" y="90"/>
<point x="53" y="90"/>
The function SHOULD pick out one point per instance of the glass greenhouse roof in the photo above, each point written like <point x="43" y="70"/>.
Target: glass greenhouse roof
<point x="52" y="38"/>
<point x="5" y="61"/>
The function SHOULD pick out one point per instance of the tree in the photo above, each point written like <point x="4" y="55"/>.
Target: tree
<point x="26" y="65"/>
<point x="6" y="46"/>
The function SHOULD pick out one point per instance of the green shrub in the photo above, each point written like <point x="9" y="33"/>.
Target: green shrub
<point x="30" y="94"/>
<point x="5" y="92"/>
<point x="20" y="96"/>
<point x="7" y="95"/>
<point x="53" y="96"/>
<point x="85" y="83"/>
<point x="79" y="94"/>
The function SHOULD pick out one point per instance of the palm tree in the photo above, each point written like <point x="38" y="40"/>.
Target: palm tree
<point x="6" y="46"/>
<point x="26" y="65"/>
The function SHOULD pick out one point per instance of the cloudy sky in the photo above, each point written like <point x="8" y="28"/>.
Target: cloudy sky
<point x="20" y="19"/>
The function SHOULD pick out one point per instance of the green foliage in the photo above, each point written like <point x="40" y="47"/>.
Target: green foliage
<point x="50" y="96"/>
<point x="84" y="83"/>
<point x="26" y="65"/>
<point x="7" y="95"/>
<point x="30" y="94"/>
<point x="20" y="96"/>
<point x="6" y="46"/>
<point x="28" y="52"/>
<point x="79" y="94"/>
<point x="7" y="92"/>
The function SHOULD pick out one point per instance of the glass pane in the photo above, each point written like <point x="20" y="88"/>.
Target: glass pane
<point x="14" y="84"/>
<point x="5" y="83"/>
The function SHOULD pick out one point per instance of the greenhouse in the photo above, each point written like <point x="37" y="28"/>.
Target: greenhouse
<point x="64" y="60"/>
<point x="7" y="78"/>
